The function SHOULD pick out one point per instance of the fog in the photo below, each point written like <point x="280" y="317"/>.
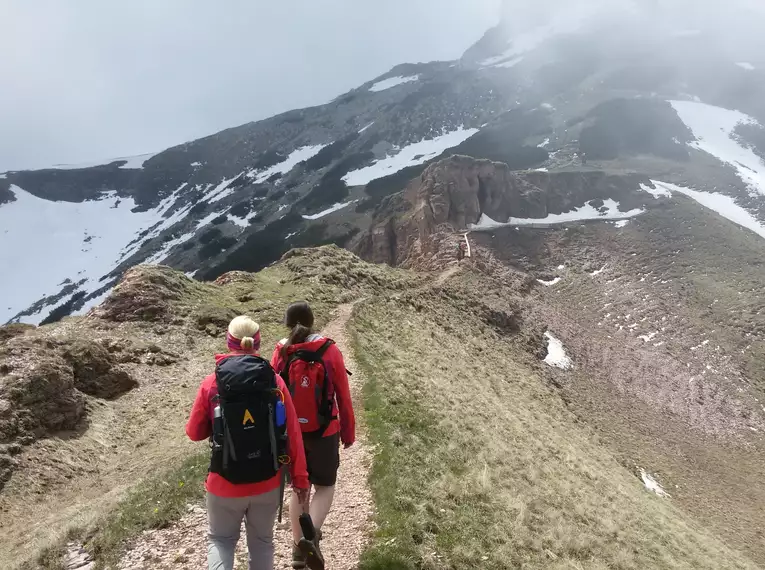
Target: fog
<point x="89" y="79"/>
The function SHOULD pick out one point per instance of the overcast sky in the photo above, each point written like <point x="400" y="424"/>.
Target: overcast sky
<point x="83" y="80"/>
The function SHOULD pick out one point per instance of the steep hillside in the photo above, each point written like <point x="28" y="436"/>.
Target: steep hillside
<point x="492" y="447"/>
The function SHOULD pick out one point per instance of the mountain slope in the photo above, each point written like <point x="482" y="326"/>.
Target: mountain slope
<point x="532" y="94"/>
<point x="487" y="447"/>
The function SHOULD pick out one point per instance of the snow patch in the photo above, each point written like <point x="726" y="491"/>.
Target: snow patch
<point x="196" y="164"/>
<point x="713" y="128"/>
<point x="3" y="175"/>
<point x="657" y="192"/>
<point x="550" y="283"/>
<point x="392" y="82"/>
<point x="648" y="337"/>
<point x="410" y="155"/>
<point x="556" y="354"/>
<point x="335" y="208"/>
<point x="723" y="205"/>
<point x="745" y="65"/>
<point x="242" y="222"/>
<point x="544" y="143"/>
<point x="621" y="223"/>
<point x="652" y="485"/>
<point x="598" y="271"/>
<point x="295" y="157"/>
<point x="365" y="128"/>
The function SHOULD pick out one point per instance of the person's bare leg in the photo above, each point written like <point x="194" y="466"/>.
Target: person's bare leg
<point x="321" y="504"/>
<point x="296" y="509"/>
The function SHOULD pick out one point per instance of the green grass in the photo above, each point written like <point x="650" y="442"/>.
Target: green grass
<point x="478" y="464"/>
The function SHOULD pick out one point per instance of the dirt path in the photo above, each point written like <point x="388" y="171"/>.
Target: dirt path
<point x="183" y="546"/>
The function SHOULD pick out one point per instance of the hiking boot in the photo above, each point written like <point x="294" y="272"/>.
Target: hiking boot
<point x="311" y="552"/>
<point x="298" y="558"/>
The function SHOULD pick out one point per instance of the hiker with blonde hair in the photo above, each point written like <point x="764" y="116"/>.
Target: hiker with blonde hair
<point x="245" y="409"/>
<point x="313" y="368"/>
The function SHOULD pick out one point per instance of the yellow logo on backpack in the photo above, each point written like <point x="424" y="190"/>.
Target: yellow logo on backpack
<point x="248" y="418"/>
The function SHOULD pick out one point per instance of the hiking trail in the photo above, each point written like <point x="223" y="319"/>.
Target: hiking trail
<point x="183" y="546"/>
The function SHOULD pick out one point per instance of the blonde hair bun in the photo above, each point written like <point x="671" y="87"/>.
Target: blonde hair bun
<point x="244" y="328"/>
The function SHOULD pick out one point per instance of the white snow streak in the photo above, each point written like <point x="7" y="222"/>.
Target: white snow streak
<point x="296" y="156"/>
<point x="413" y="154"/>
<point x="586" y="212"/>
<point x="222" y="190"/>
<point x="335" y="208"/>
<point x="510" y="63"/>
<point x="392" y="82"/>
<point x="556" y="354"/>
<point x="365" y="128"/>
<point x="723" y="205"/>
<point x="544" y="143"/>
<point x="135" y="162"/>
<point x="713" y="126"/>
<point x="550" y="283"/>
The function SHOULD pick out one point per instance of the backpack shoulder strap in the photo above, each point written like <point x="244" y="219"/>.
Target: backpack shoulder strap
<point x="324" y="347"/>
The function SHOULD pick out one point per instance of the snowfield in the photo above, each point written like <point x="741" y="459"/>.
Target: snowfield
<point x="410" y="155"/>
<point x="392" y="82"/>
<point x="61" y="241"/>
<point x="586" y="212"/>
<point x="723" y="205"/>
<point x="713" y="128"/>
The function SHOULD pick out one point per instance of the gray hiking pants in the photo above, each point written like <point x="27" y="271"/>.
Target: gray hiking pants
<point x="225" y="517"/>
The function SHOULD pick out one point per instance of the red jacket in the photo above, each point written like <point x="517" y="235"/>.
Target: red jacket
<point x="343" y="406"/>
<point x="199" y="428"/>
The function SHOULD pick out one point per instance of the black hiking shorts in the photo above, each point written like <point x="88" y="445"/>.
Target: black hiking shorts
<point x="322" y="454"/>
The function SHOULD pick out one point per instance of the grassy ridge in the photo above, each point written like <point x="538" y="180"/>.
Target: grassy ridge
<point x="480" y="465"/>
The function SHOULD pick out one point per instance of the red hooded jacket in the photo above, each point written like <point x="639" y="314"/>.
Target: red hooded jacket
<point x="343" y="406"/>
<point x="199" y="428"/>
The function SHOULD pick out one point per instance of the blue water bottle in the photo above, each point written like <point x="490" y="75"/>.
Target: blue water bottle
<point x="281" y="414"/>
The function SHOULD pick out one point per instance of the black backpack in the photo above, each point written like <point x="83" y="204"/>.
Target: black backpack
<point x="249" y="442"/>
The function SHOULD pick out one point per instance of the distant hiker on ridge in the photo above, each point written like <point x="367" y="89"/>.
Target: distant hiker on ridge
<point x="247" y="412"/>
<point x="314" y="369"/>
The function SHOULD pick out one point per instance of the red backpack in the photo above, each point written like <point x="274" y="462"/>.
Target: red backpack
<point x="313" y="393"/>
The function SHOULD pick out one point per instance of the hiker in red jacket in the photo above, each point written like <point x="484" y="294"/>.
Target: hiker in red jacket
<point x="260" y="434"/>
<point x="315" y="372"/>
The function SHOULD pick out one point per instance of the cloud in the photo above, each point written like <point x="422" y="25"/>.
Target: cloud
<point x="90" y="79"/>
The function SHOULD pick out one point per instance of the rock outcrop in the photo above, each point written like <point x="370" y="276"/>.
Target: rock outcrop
<point x="454" y="193"/>
<point x="43" y="388"/>
<point x="145" y="293"/>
